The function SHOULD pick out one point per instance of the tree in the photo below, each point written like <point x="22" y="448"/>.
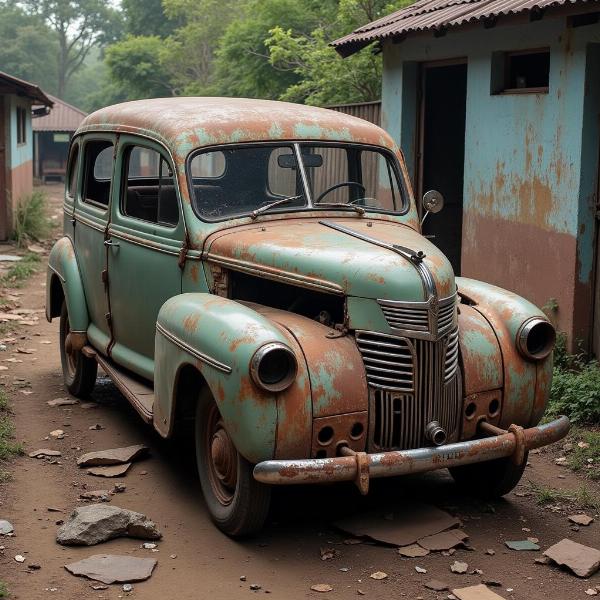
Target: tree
<point x="322" y="76"/>
<point x="147" y="17"/>
<point x="79" y="25"/>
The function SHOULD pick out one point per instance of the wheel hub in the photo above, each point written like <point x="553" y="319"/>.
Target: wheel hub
<point x="224" y="458"/>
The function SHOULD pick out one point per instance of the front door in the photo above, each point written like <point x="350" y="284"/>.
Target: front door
<point x="144" y="242"/>
<point x="441" y="153"/>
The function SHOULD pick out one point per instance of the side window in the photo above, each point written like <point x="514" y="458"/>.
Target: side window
<point x="98" y="158"/>
<point x="149" y="187"/>
<point x="72" y="176"/>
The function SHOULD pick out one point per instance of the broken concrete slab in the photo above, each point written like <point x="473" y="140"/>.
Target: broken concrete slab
<point x="10" y="258"/>
<point x="111" y="471"/>
<point x="521" y="545"/>
<point x="112" y="568"/>
<point x="62" y="402"/>
<point x="409" y="523"/>
<point x="112" y="456"/>
<point x="43" y="452"/>
<point x="476" y="592"/>
<point x="444" y="540"/>
<point x="412" y="551"/>
<point x="582" y="519"/>
<point x="6" y="527"/>
<point x="97" y="496"/>
<point x="436" y="585"/>
<point x="96" y="523"/>
<point x="582" y="560"/>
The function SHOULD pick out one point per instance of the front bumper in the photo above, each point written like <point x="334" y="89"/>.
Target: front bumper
<point x="360" y="466"/>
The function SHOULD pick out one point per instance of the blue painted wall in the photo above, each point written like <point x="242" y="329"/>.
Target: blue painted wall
<point x="531" y="160"/>
<point x="19" y="153"/>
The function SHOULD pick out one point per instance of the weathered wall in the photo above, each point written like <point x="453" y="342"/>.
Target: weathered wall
<point x="527" y="222"/>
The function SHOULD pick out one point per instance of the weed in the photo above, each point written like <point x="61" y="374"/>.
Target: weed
<point x="8" y="447"/>
<point x="3" y="590"/>
<point x="31" y="222"/>
<point x="20" y="271"/>
<point x="579" y="457"/>
<point x="583" y="497"/>
<point x="5" y="476"/>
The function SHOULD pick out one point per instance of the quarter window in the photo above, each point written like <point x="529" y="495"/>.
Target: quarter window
<point x="150" y="192"/>
<point x="98" y="159"/>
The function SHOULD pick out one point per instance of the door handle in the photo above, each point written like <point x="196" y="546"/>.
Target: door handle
<point x="110" y="243"/>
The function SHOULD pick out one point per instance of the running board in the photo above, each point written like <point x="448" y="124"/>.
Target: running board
<point x="139" y="395"/>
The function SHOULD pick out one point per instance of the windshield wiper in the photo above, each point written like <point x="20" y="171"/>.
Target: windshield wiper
<point x="359" y="209"/>
<point x="266" y="207"/>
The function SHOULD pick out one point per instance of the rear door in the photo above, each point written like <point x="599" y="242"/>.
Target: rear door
<point x="145" y="238"/>
<point x="92" y="213"/>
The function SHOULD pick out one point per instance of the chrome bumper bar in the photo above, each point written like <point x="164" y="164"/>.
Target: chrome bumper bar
<point x="360" y="466"/>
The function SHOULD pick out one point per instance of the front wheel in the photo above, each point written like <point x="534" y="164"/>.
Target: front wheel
<point x="79" y="371"/>
<point x="237" y="503"/>
<point x="491" y="479"/>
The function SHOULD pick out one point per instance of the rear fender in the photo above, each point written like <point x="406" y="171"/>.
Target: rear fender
<point x="218" y="337"/>
<point x="63" y="281"/>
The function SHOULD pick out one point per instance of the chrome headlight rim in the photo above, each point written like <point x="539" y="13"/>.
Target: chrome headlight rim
<point x="542" y="345"/>
<point x="268" y="352"/>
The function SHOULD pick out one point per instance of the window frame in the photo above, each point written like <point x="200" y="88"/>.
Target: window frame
<point x="501" y="72"/>
<point x="309" y="207"/>
<point x="81" y="195"/>
<point x="21" y="113"/>
<point x="73" y="165"/>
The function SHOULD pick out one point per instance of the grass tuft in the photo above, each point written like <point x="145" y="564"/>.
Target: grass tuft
<point x="583" y="497"/>
<point x="8" y="447"/>
<point x="3" y="590"/>
<point x="20" y="271"/>
<point x="31" y="222"/>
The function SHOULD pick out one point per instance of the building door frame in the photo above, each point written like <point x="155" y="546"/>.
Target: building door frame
<point x="4" y="225"/>
<point x="594" y="344"/>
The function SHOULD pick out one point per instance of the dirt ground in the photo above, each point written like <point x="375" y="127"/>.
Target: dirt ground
<point x="285" y="558"/>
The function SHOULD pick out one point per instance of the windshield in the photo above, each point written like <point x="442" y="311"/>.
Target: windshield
<point x="246" y="180"/>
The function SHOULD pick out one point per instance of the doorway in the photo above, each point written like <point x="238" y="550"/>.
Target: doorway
<point x="4" y="228"/>
<point x="441" y="150"/>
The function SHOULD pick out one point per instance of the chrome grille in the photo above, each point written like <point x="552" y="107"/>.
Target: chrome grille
<point x="423" y="320"/>
<point x="426" y="387"/>
<point x="389" y="360"/>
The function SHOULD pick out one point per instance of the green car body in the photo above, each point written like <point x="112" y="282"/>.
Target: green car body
<point x="374" y="341"/>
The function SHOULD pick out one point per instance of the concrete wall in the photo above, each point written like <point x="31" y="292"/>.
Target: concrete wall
<point x="530" y="159"/>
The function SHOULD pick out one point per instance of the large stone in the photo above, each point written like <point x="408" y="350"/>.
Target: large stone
<point x="112" y="568"/>
<point x="110" y="471"/>
<point x="5" y="527"/>
<point x="95" y="523"/>
<point x="113" y="456"/>
<point x="476" y="592"/>
<point x="44" y="452"/>
<point x="582" y="560"/>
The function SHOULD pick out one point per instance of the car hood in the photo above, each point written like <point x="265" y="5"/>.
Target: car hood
<point x="312" y="253"/>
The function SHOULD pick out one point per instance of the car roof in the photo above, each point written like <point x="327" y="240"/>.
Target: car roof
<point x="186" y="123"/>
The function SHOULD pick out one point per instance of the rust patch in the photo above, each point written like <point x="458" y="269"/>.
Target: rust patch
<point x="190" y="323"/>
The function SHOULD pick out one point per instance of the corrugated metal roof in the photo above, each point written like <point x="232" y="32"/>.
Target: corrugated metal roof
<point x="21" y="86"/>
<point x="426" y="15"/>
<point x="62" y="117"/>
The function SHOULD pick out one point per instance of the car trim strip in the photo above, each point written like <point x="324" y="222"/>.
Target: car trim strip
<point x="128" y="237"/>
<point x="195" y="353"/>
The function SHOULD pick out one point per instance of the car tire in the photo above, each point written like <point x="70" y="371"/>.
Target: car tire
<point x="79" y="371"/>
<point x="491" y="479"/>
<point x="237" y="503"/>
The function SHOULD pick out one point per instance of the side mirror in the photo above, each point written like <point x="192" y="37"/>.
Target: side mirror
<point x="433" y="201"/>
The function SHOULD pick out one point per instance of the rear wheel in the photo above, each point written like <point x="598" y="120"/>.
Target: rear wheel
<point x="238" y="504"/>
<point x="79" y="371"/>
<point x="491" y="479"/>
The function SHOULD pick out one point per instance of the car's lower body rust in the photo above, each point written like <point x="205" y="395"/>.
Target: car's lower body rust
<point x="360" y="466"/>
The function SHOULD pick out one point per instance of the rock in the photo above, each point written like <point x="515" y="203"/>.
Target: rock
<point x="584" y="520"/>
<point x="242" y="578"/>
<point x="521" y="545"/>
<point x="591" y="592"/>
<point x="490" y="552"/>
<point x="43" y="452"/>
<point x="127" y="587"/>
<point x="255" y="587"/>
<point x="6" y="527"/>
<point x="58" y="434"/>
<point x="97" y="496"/>
<point x="148" y="546"/>
<point x="436" y="585"/>
<point x="112" y="568"/>
<point x="34" y="566"/>
<point x="62" y="402"/>
<point x="582" y="560"/>
<point x="95" y="427"/>
<point x="329" y="553"/>
<point x="118" y="488"/>
<point x="476" y="592"/>
<point x="542" y="560"/>
<point x="492" y="582"/>
<point x="111" y="471"/>
<point x="19" y="558"/>
<point x="99" y="586"/>
<point x="561" y="461"/>
<point x="459" y="567"/>
<point x="412" y="551"/>
<point x="95" y="523"/>
<point x="444" y="540"/>
<point x="321" y="587"/>
<point x="583" y="445"/>
<point x="378" y="575"/>
<point x="420" y="570"/>
<point x="114" y="456"/>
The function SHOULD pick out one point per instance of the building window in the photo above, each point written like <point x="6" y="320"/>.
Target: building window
<point x="521" y="72"/>
<point x="21" y="125"/>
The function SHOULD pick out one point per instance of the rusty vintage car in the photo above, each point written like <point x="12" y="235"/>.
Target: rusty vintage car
<point x="257" y="269"/>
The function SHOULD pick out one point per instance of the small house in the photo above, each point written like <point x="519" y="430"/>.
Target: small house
<point x="496" y="104"/>
<point x="16" y="145"/>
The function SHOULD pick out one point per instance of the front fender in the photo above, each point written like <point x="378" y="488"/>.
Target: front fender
<point x="526" y="383"/>
<point x="218" y="337"/>
<point x="63" y="279"/>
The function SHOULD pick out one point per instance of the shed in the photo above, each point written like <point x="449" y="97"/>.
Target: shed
<point x="52" y="133"/>
<point x="16" y="144"/>
<point x="496" y="103"/>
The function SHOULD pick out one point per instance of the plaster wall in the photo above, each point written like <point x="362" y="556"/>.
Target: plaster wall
<point x="530" y="159"/>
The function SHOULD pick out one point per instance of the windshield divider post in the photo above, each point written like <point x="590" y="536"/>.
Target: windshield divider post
<point x="303" y="175"/>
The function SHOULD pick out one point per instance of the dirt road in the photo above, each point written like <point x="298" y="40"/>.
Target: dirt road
<point x="285" y="558"/>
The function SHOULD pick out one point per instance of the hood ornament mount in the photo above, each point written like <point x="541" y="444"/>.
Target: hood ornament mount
<point x="415" y="258"/>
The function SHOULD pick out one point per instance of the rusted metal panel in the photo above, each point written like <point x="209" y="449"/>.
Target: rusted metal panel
<point x="62" y="117"/>
<point x="369" y="111"/>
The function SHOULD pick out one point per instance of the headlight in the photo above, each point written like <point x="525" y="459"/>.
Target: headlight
<point x="273" y="367"/>
<point x="535" y="339"/>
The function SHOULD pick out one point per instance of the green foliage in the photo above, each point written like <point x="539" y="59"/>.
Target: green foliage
<point x="20" y="271"/>
<point x="31" y="222"/>
<point x="146" y="17"/>
<point x="582" y="497"/>
<point x="586" y="447"/>
<point x="3" y="590"/>
<point x="8" y="447"/>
